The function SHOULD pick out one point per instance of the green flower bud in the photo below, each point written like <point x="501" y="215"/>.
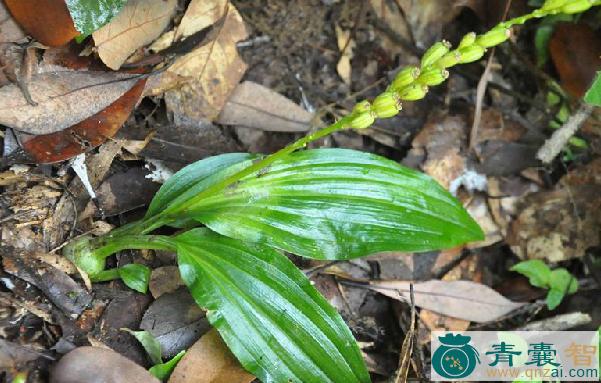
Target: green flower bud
<point x="405" y="77"/>
<point x="471" y="54"/>
<point x="493" y="37"/>
<point x="550" y="5"/>
<point x="539" y="13"/>
<point x="450" y="59"/>
<point x="413" y="92"/>
<point x="433" y="76"/>
<point x="517" y="21"/>
<point x="576" y="6"/>
<point x="362" y="107"/>
<point x="435" y="52"/>
<point x="362" y="120"/>
<point x="467" y="40"/>
<point x="386" y="105"/>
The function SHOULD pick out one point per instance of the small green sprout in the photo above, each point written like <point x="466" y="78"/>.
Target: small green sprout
<point x="558" y="282"/>
<point x="161" y="370"/>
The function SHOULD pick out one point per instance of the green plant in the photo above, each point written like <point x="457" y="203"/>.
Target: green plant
<point x="321" y="204"/>
<point x="559" y="282"/>
<point x="161" y="370"/>
<point x="593" y="96"/>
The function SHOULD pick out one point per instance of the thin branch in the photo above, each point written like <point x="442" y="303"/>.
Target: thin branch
<point x="560" y="138"/>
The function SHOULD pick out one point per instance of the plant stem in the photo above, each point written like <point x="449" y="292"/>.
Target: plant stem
<point x="107" y="246"/>
<point x="106" y="275"/>
<point x="262" y="164"/>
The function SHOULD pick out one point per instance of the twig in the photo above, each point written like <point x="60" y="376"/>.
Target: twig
<point x="560" y="322"/>
<point x="481" y="90"/>
<point x="408" y="342"/>
<point x="560" y="138"/>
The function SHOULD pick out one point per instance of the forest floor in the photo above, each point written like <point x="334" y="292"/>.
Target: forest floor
<point x="273" y="71"/>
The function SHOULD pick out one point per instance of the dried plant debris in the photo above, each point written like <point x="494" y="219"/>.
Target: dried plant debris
<point x="209" y="360"/>
<point x="102" y="363"/>
<point x="138" y="24"/>
<point x="62" y="99"/>
<point x="557" y="225"/>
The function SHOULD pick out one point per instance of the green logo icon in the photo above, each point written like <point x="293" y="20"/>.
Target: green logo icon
<point x="455" y="358"/>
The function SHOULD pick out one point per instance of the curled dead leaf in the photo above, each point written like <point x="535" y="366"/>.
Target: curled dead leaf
<point x="63" y="99"/>
<point x="206" y="76"/>
<point x="47" y="21"/>
<point x="139" y="23"/>
<point x="86" y="135"/>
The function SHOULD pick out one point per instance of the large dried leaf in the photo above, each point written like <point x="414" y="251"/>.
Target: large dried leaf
<point x="47" y="21"/>
<point x="557" y="225"/>
<point x="86" y="135"/>
<point x="138" y="24"/>
<point x="63" y="99"/>
<point x="85" y="364"/>
<point x="427" y="18"/>
<point x="459" y="299"/>
<point x="576" y="53"/>
<point x="255" y="106"/>
<point x="210" y="361"/>
<point x="210" y="73"/>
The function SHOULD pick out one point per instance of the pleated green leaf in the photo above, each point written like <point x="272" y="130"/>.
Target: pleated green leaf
<point x="196" y="177"/>
<point x="271" y="317"/>
<point x="337" y="204"/>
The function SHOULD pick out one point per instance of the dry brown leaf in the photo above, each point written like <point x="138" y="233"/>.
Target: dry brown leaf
<point x="427" y="18"/>
<point x="206" y="76"/>
<point x="479" y="210"/>
<point x="210" y="361"/>
<point x="47" y="21"/>
<point x="63" y="99"/>
<point x="9" y="30"/>
<point x="104" y="365"/>
<point x="557" y="225"/>
<point x="139" y="23"/>
<point x="439" y="147"/>
<point x="255" y="106"/>
<point x="164" y="280"/>
<point x="389" y="12"/>
<point x="458" y="299"/>
<point x="346" y="45"/>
